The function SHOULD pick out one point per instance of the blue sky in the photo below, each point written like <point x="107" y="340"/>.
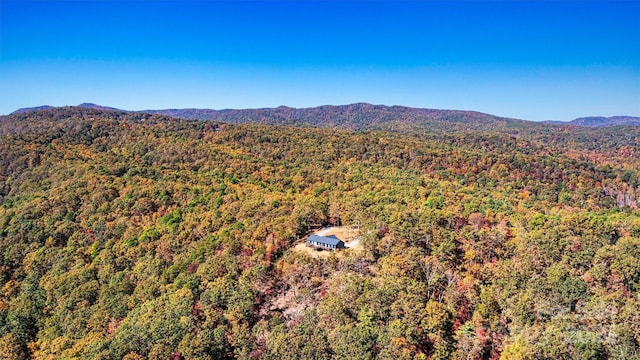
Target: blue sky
<point x="534" y="60"/>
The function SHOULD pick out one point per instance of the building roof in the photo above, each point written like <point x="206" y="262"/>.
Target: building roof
<point x="329" y="240"/>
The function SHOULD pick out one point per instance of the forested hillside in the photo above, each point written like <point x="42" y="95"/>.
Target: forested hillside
<point x="140" y="236"/>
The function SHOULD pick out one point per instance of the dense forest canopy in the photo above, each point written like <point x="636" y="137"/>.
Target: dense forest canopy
<point x="140" y="236"/>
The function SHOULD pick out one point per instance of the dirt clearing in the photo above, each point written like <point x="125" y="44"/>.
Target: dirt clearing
<point x="348" y="234"/>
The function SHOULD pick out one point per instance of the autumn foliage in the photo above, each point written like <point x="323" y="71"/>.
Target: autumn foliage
<point x="139" y="236"/>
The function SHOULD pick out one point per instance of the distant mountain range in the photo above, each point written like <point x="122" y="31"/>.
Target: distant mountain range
<point x="600" y="121"/>
<point x="363" y="116"/>
<point x="83" y="105"/>
<point x="30" y="109"/>
<point x="359" y="116"/>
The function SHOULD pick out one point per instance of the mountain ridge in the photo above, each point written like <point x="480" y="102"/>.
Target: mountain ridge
<point x="363" y="116"/>
<point x="599" y="121"/>
<point x="31" y="109"/>
<point x="357" y="116"/>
